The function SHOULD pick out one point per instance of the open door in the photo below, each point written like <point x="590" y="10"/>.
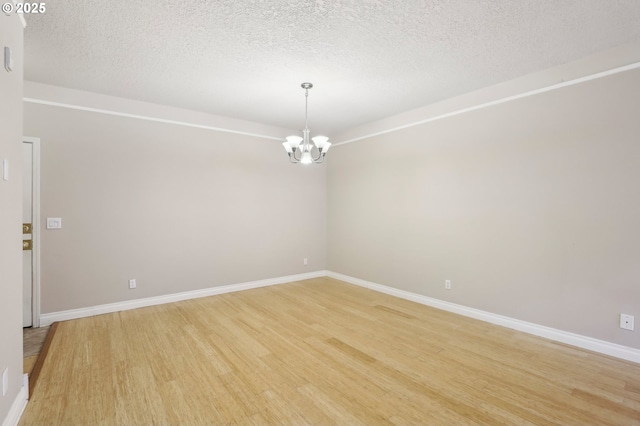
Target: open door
<point x="30" y="233"/>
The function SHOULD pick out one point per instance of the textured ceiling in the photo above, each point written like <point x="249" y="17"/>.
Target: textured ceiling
<point x="367" y="59"/>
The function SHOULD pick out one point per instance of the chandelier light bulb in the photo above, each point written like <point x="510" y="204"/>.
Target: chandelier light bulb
<point x="306" y="158"/>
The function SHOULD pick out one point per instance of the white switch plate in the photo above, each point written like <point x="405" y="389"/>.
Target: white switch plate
<point x="5" y="169"/>
<point x="626" y="322"/>
<point x="54" y="223"/>
<point x="447" y="284"/>
<point x="5" y="381"/>
<point x="8" y="60"/>
<point x="305" y="261"/>
<point x="132" y="283"/>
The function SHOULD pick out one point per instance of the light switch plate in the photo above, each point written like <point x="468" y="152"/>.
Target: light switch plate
<point x="5" y="381"/>
<point x="54" y="223"/>
<point x="8" y="61"/>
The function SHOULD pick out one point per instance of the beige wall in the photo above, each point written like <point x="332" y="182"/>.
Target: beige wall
<point x="177" y="208"/>
<point x="11" y="32"/>
<point x="531" y="208"/>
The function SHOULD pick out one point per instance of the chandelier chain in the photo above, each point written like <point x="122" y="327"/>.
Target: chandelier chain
<point x="306" y="108"/>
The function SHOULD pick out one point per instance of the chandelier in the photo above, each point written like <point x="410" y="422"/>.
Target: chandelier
<point x="301" y="149"/>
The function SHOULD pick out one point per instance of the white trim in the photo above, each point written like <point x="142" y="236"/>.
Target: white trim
<point x="25" y="383"/>
<point x="20" y="15"/>
<point x="35" y="234"/>
<point x="50" y="318"/>
<point x="148" y="118"/>
<point x="18" y="406"/>
<point x="499" y="101"/>
<point x="584" y="342"/>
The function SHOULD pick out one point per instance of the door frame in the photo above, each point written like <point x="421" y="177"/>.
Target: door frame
<point x="35" y="236"/>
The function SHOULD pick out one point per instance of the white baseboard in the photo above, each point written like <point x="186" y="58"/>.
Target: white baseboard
<point x="18" y="406"/>
<point x="589" y="343"/>
<point x="50" y="318"/>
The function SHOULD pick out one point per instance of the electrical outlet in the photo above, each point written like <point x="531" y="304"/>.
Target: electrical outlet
<point x="447" y="284"/>
<point x="626" y="322"/>
<point x="132" y="283"/>
<point x="5" y="381"/>
<point x="305" y="261"/>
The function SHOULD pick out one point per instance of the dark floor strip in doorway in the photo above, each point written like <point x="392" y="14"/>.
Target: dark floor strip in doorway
<point x="33" y="377"/>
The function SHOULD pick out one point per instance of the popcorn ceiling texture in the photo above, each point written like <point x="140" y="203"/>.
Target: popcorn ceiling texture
<point x="367" y="59"/>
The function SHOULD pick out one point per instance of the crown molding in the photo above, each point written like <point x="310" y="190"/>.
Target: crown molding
<point x="63" y="97"/>
<point x="522" y="95"/>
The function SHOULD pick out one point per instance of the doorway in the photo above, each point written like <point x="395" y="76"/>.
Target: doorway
<point x="31" y="232"/>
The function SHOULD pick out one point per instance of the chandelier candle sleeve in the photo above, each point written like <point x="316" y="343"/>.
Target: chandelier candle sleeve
<point x="302" y="149"/>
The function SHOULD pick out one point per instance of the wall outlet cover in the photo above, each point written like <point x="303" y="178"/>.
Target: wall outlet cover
<point x="626" y="322"/>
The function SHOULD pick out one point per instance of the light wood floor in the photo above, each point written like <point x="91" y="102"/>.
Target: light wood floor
<point x="320" y="352"/>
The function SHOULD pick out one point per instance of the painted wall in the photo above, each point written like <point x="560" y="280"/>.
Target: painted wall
<point x="11" y="33"/>
<point x="531" y="208"/>
<point x="177" y="208"/>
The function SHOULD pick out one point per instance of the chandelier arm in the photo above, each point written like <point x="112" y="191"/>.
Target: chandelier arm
<point x="315" y="160"/>
<point x="293" y="155"/>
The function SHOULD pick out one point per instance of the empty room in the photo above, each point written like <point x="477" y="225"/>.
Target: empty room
<point x="320" y="212"/>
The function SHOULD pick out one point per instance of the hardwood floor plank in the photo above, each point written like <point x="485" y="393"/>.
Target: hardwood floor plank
<point x="338" y="412"/>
